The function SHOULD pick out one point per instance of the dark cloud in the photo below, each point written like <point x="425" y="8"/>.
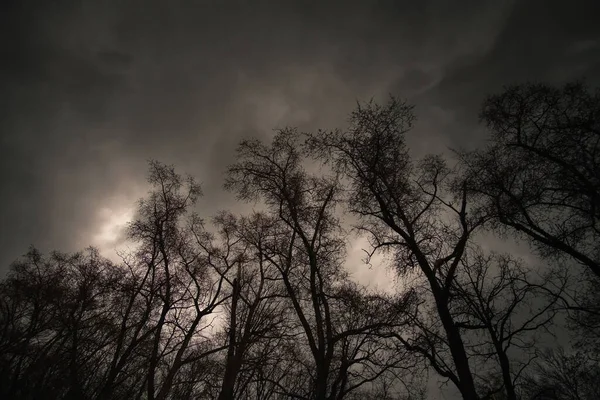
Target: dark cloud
<point x="548" y="41"/>
<point x="91" y="90"/>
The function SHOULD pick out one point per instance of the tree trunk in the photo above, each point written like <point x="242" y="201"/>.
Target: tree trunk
<point x="457" y="349"/>
<point x="233" y="358"/>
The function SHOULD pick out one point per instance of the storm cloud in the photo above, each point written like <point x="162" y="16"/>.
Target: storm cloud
<point x="93" y="89"/>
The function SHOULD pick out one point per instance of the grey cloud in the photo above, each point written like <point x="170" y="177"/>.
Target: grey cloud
<point x="533" y="45"/>
<point x="93" y="90"/>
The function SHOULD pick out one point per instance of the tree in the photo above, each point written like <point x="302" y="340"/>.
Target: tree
<point x="307" y="249"/>
<point x="257" y="312"/>
<point x="504" y="310"/>
<point x="583" y="306"/>
<point x="187" y="274"/>
<point x="262" y="307"/>
<point x="405" y="208"/>
<point x="562" y="376"/>
<point x="540" y="178"/>
<point x="540" y="175"/>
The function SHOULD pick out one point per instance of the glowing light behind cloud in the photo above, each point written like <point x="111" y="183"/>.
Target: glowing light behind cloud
<point x="377" y="276"/>
<point x="110" y="232"/>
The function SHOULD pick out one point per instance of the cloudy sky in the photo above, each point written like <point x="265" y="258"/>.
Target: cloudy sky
<point x="93" y="89"/>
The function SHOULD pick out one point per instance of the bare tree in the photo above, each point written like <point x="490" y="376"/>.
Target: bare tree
<point x="583" y="305"/>
<point x="186" y="270"/>
<point x="504" y="310"/>
<point x="540" y="175"/>
<point x="405" y="208"/>
<point x="540" y="178"/>
<point x="257" y="311"/>
<point x="562" y="376"/>
<point x="261" y="307"/>
<point x="56" y="324"/>
<point x="308" y="251"/>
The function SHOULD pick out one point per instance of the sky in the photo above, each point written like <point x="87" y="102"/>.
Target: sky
<point x="92" y="90"/>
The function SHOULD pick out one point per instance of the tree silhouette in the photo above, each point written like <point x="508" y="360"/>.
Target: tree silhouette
<point x="564" y="376"/>
<point x="56" y="324"/>
<point x="420" y="212"/>
<point x="262" y="307"/>
<point x="404" y="209"/>
<point x="540" y="174"/>
<point x="308" y="251"/>
<point x="540" y="178"/>
<point x="499" y="302"/>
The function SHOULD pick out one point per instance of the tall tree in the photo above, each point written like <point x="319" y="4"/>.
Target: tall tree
<point x="562" y="376"/>
<point x="185" y="269"/>
<point x="540" y="175"/>
<point x="257" y="309"/>
<point x="406" y="208"/>
<point x="57" y="326"/>
<point x="505" y="310"/>
<point x="308" y="251"/>
<point x="263" y="307"/>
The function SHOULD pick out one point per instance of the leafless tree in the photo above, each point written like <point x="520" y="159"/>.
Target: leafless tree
<point x="405" y="208"/>
<point x="540" y="175"/>
<point x="504" y="309"/>
<point x="56" y="324"/>
<point x="559" y="375"/>
<point x="187" y="271"/>
<point x="540" y="178"/>
<point x="257" y="310"/>
<point x="262" y="307"/>
<point x="308" y="251"/>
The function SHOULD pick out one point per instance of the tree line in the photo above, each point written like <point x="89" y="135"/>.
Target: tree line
<point x="261" y="306"/>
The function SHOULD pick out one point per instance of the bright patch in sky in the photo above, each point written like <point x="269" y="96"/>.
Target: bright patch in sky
<point x="377" y="276"/>
<point x="111" y="227"/>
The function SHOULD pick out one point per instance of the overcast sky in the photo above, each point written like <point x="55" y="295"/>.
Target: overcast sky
<point x="93" y="89"/>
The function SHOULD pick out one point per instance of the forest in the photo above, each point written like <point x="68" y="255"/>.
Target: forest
<point x="262" y="306"/>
